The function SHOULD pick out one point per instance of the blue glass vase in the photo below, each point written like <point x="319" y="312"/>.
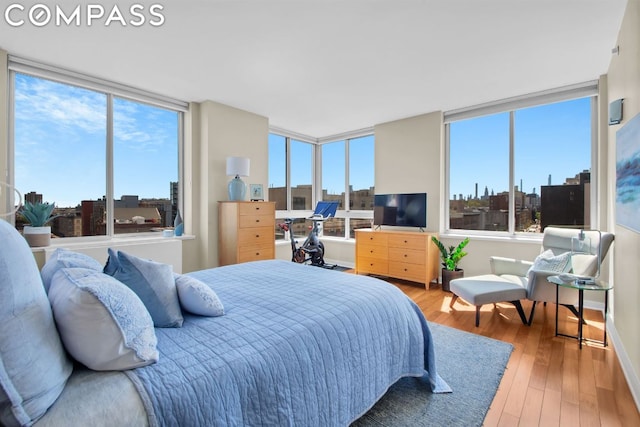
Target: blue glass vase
<point x="178" y="226"/>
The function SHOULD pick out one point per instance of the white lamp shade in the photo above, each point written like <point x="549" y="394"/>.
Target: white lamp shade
<point x="238" y="166"/>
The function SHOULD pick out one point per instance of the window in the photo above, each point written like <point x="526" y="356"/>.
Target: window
<point x="65" y="153"/>
<point x="60" y="137"/>
<point x="485" y="138"/>
<point x="345" y="171"/>
<point x="301" y="166"/>
<point x="278" y="171"/>
<point x="361" y="182"/>
<point x="334" y="184"/>
<point x="291" y="175"/>
<point x="544" y="148"/>
<point x="145" y="166"/>
<point x="355" y="194"/>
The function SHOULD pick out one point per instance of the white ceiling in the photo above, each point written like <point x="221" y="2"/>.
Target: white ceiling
<point x="325" y="67"/>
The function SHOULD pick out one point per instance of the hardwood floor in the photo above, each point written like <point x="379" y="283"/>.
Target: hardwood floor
<point x="549" y="381"/>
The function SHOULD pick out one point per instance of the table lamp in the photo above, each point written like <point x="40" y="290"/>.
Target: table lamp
<point x="237" y="166"/>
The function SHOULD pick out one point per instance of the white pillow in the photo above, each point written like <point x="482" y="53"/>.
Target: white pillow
<point x="198" y="298"/>
<point x="102" y="323"/>
<point x="64" y="258"/>
<point x="547" y="261"/>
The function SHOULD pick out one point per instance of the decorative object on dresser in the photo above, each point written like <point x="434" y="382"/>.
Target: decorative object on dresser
<point x="450" y="259"/>
<point x="237" y="167"/>
<point x="404" y="255"/>
<point x="246" y="231"/>
<point x="256" y="192"/>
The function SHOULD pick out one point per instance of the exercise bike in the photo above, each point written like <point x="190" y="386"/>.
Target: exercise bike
<point x="312" y="250"/>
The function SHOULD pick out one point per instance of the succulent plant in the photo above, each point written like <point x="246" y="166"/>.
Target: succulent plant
<point x="38" y="214"/>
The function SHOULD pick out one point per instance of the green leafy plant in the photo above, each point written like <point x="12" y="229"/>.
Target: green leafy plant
<point x="38" y="214"/>
<point x="451" y="256"/>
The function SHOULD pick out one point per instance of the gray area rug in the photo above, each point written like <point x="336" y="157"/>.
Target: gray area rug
<point x="471" y="364"/>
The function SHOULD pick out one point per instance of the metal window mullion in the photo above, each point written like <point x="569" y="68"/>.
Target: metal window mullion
<point x="316" y="179"/>
<point x="10" y="177"/>
<point x="512" y="191"/>
<point x="445" y="222"/>
<point x="109" y="204"/>
<point x="287" y="155"/>
<point x="594" y="205"/>
<point x="347" y="193"/>
<point x="181" y="164"/>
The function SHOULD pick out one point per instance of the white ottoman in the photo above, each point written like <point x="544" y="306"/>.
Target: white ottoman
<point x="490" y="288"/>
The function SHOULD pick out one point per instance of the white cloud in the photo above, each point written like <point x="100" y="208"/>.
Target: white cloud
<point x="44" y="103"/>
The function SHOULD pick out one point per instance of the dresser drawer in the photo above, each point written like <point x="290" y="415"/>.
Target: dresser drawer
<point x="407" y="241"/>
<point x="255" y="254"/>
<point x="248" y="221"/>
<point x="371" y="238"/>
<point x="413" y="272"/>
<point x="366" y="265"/>
<point x="372" y="251"/>
<point x="411" y="256"/>
<point x="256" y="236"/>
<point x="257" y="208"/>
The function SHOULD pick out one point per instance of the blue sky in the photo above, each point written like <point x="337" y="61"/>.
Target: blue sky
<point x="60" y="149"/>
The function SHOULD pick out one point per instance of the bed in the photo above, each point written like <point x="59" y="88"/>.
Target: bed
<point x="297" y="345"/>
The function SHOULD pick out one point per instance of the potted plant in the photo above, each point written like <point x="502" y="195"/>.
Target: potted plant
<point x="38" y="215"/>
<point x="450" y="258"/>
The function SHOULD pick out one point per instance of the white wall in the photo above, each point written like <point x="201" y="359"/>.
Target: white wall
<point x="408" y="157"/>
<point x="217" y="132"/>
<point x="623" y="81"/>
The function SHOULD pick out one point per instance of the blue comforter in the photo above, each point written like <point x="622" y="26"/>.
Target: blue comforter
<point x="298" y="346"/>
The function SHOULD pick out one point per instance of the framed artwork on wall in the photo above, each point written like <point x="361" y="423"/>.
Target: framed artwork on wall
<point x="256" y="192"/>
<point x="628" y="175"/>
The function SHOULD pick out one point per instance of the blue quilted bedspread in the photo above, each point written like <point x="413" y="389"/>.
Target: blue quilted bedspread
<point x="298" y="346"/>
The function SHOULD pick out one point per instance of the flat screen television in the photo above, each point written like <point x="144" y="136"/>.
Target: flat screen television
<point x="407" y="209"/>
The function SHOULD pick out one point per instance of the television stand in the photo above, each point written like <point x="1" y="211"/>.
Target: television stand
<point x="407" y="255"/>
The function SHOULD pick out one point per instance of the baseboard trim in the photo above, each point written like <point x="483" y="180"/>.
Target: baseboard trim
<point x="625" y="363"/>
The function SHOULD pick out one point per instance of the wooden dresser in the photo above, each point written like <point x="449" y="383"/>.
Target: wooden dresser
<point x="406" y="255"/>
<point x="246" y="231"/>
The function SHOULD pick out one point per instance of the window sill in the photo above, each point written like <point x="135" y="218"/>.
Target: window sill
<point x="533" y="238"/>
<point x="99" y="242"/>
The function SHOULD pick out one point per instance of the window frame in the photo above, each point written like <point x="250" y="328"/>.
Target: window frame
<point x="18" y="65"/>
<point x="581" y="90"/>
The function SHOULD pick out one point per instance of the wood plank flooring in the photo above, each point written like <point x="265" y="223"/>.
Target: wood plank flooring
<point x="549" y="381"/>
